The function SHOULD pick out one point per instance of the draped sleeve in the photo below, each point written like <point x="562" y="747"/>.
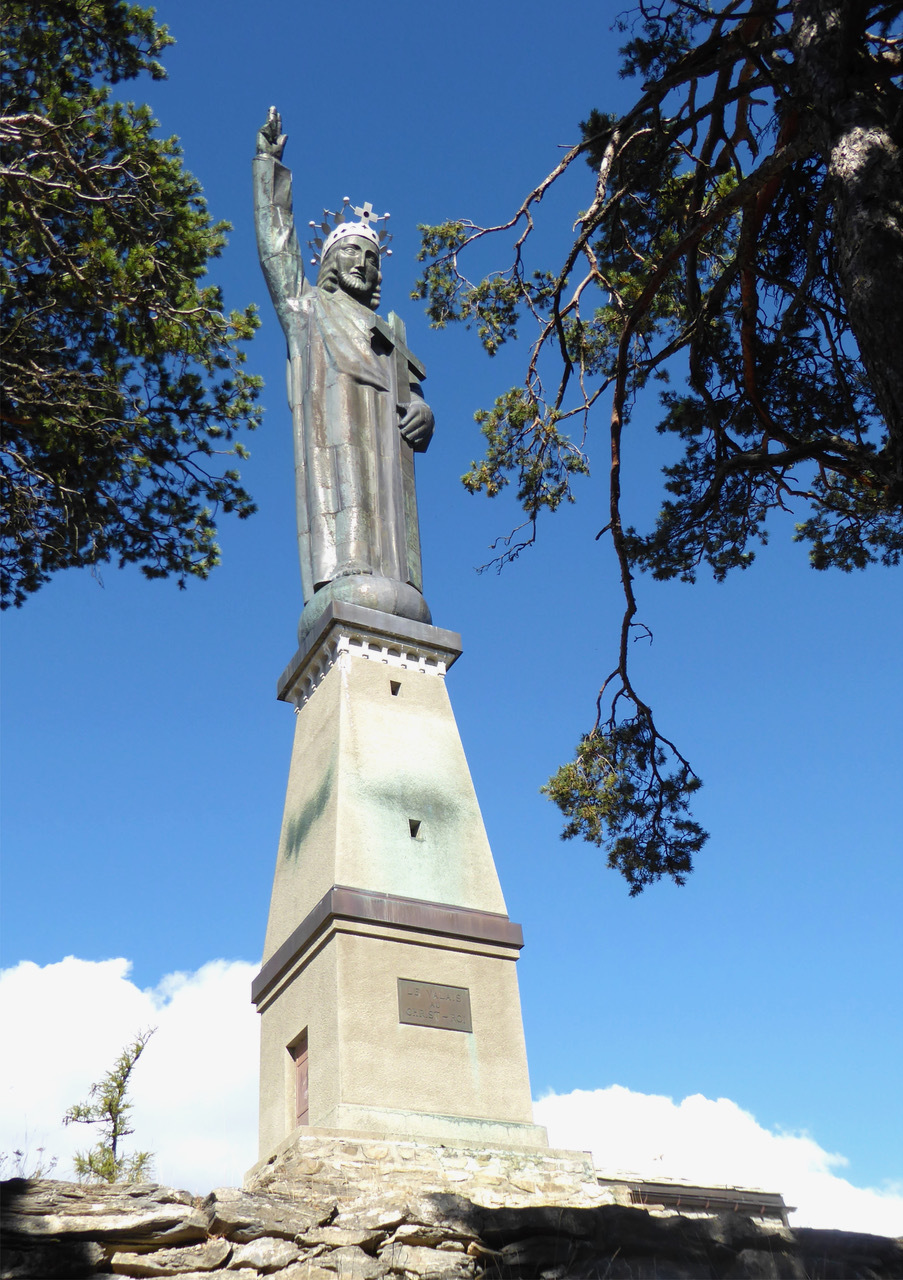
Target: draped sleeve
<point x="277" y="242"/>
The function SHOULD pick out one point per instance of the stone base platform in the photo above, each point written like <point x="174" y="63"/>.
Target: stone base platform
<point x="370" y="1173"/>
<point x="372" y="1167"/>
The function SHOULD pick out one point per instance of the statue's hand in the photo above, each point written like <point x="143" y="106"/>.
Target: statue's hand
<point x="416" y="425"/>
<point x="271" y="140"/>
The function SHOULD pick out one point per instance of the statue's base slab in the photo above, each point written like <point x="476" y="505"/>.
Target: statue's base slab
<point x="376" y="594"/>
<point x="377" y="1174"/>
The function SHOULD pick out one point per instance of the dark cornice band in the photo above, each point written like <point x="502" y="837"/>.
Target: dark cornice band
<point x="385" y="908"/>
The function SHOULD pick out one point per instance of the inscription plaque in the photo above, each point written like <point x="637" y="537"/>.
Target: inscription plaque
<point x="429" y="1004"/>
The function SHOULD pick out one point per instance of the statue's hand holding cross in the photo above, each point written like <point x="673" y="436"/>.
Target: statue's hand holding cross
<point x="416" y="426"/>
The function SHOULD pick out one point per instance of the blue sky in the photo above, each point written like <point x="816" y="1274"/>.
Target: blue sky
<point x="145" y="756"/>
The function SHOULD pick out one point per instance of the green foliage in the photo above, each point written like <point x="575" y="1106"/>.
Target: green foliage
<point x="124" y="387"/>
<point x="494" y="305"/>
<point x="666" y="37"/>
<point x="616" y="792"/>
<point x="744" y="217"/>
<point x="109" y="1107"/>
<point x="544" y="467"/>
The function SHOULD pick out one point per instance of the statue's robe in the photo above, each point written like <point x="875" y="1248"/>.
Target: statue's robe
<point x="355" y="517"/>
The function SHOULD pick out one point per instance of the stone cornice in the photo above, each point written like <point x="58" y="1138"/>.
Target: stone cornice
<point x="368" y="633"/>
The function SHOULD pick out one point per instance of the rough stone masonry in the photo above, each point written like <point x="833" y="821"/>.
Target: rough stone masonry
<point x="317" y="1229"/>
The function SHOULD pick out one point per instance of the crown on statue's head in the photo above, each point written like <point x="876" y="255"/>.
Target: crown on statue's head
<point x="336" y="226"/>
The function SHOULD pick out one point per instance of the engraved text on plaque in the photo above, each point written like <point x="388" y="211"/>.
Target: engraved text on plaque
<point x="428" y="1004"/>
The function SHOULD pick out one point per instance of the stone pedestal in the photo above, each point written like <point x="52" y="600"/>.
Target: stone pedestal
<point x="388" y="992"/>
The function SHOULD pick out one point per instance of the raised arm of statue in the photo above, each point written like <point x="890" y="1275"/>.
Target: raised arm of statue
<point x="277" y="243"/>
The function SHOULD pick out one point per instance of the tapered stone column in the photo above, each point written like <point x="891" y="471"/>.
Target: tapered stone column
<point x="388" y="993"/>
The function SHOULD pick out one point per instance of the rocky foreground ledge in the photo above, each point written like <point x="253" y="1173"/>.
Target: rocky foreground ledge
<point x="61" y="1229"/>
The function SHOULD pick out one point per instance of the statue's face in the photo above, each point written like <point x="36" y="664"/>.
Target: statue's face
<point x="357" y="267"/>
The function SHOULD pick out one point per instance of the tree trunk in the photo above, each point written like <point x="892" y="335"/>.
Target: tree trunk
<point x="857" y="123"/>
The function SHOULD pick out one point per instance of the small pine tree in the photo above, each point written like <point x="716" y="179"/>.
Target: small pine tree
<point x="108" y="1106"/>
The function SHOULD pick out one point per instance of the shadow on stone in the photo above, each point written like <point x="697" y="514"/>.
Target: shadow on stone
<point x="56" y="1230"/>
<point x="27" y="1255"/>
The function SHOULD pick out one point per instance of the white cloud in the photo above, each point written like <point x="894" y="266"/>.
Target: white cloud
<point x="195" y="1095"/>
<point x="194" y="1088"/>
<point x="716" y="1143"/>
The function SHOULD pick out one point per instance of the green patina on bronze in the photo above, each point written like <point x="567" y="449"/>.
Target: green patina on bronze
<point x="357" y="410"/>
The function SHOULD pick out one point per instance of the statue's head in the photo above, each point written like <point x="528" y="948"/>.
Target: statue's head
<point x="349" y="252"/>
<point x="351" y="265"/>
